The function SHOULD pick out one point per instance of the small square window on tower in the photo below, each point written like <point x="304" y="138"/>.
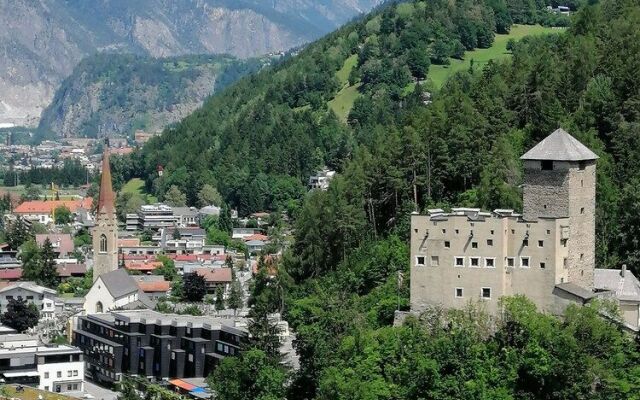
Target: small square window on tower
<point x="447" y="244"/>
<point x="474" y="245"/>
<point x="459" y="292"/>
<point x="485" y="293"/>
<point x="459" y="262"/>
<point x="542" y="265"/>
<point x="511" y="262"/>
<point x="489" y="262"/>
<point x="581" y="210"/>
<point x="489" y="242"/>
<point x="435" y="261"/>
<point x="540" y="243"/>
<point x="524" y="262"/>
<point x="475" y="261"/>
<point x="420" y="261"/>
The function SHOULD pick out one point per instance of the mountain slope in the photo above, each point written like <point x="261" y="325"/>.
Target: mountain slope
<point x="41" y="41"/>
<point x="111" y="94"/>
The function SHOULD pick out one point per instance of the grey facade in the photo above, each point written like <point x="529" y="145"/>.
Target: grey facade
<point x="154" y="345"/>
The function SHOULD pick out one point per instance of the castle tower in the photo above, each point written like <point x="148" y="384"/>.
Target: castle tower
<point x="560" y="182"/>
<point x="105" y="232"/>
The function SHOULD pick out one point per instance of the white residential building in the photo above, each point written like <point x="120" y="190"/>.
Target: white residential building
<point x="56" y="368"/>
<point x="44" y="298"/>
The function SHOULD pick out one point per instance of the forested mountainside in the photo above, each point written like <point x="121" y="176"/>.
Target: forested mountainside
<point x="399" y="150"/>
<point x="41" y="41"/>
<point x="111" y="94"/>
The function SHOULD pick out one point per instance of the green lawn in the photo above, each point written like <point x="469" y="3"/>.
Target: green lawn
<point x="136" y="186"/>
<point x="349" y="64"/>
<point x="342" y="103"/>
<point x="30" y="393"/>
<point x="438" y="74"/>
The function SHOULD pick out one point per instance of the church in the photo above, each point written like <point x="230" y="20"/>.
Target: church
<point x="546" y="253"/>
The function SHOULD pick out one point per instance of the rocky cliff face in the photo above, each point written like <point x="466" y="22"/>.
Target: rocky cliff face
<point x="42" y="40"/>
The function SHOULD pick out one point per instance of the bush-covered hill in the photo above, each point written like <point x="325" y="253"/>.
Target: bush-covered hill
<point x="114" y="94"/>
<point x="341" y="281"/>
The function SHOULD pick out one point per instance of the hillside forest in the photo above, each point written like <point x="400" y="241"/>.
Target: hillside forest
<point x="406" y="145"/>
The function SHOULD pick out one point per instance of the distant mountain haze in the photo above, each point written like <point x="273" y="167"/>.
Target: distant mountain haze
<point x="41" y="41"/>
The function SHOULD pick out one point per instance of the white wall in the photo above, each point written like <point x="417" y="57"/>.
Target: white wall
<point x="49" y="376"/>
<point x="99" y="293"/>
<point x="46" y="304"/>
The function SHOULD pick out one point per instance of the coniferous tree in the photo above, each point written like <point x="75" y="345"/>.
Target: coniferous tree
<point x="219" y="301"/>
<point x="20" y="315"/>
<point x="48" y="272"/>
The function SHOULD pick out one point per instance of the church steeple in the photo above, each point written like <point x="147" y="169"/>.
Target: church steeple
<point x="106" y="198"/>
<point x="105" y="232"/>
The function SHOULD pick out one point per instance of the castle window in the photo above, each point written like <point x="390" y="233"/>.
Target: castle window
<point x="447" y="244"/>
<point x="459" y="262"/>
<point x="581" y="210"/>
<point x="420" y="261"/>
<point x="511" y="262"/>
<point x="489" y="242"/>
<point x="103" y="244"/>
<point x="485" y="293"/>
<point x="435" y="261"/>
<point x="474" y="245"/>
<point x="548" y="231"/>
<point x="524" y="262"/>
<point x="458" y="292"/>
<point x="542" y="265"/>
<point x="489" y="262"/>
<point x="546" y="165"/>
<point x="525" y="243"/>
<point x="475" y="261"/>
<point x="540" y="243"/>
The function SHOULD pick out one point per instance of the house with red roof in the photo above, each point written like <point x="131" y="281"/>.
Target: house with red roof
<point x="10" y="274"/>
<point x="155" y="286"/>
<point x="215" y="277"/>
<point x="62" y="243"/>
<point x="43" y="211"/>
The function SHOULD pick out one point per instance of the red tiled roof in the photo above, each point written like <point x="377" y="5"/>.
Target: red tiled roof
<point x="256" y="236"/>
<point x="138" y="257"/>
<point x="62" y="242"/>
<point x="47" y="207"/>
<point x="157" y="286"/>
<point x="142" y="266"/>
<point x="185" y="257"/>
<point x="214" y="275"/>
<point x="10" y="273"/>
<point x="67" y="270"/>
<point x="129" y="242"/>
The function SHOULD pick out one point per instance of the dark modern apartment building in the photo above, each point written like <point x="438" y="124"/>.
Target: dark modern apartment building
<point x="153" y="345"/>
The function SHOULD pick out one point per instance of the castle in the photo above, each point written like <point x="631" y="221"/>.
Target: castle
<point x="547" y="253"/>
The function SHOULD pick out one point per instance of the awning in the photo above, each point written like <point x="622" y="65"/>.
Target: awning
<point x="182" y="384"/>
<point x="17" y="374"/>
<point x="201" y="394"/>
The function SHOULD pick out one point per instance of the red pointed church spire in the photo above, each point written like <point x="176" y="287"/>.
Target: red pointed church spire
<point x="106" y="198"/>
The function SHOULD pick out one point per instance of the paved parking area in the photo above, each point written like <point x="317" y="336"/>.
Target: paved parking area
<point x="98" y="392"/>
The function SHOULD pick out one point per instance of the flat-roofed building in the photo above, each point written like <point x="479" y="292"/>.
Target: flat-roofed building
<point x="154" y="345"/>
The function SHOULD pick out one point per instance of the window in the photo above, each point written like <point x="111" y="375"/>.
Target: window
<point x="459" y="262"/>
<point x="457" y="231"/>
<point x="581" y="256"/>
<point x="542" y="265"/>
<point x="68" y="387"/>
<point x="546" y="165"/>
<point x="581" y="210"/>
<point x="420" y="260"/>
<point x="444" y="231"/>
<point x="103" y="244"/>
<point x="525" y="243"/>
<point x="475" y="261"/>
<point x="485" y="293"/>
<point x="459" y="292"/>
<point x="435" y="261"/>
<point x="548" y="231"/>
<point x="29" y="297"/>
<point x="474" y="245"/>
<point x="69" y="374"/>
<point x="563" y="242"/>
<point x="46" y="388"/>
<point x="59" y="374"/>
<point x="75" y="386"/>
<point x="190" y="357"/>
<point x="99" y="307"/>
<point x="489" y="242"/>
<point x="524" y="262"/>
<point x="75" y="372"/>
<point x="489" y="262"/>
<point x="447" y="244"/>
<point x="510" y="262"/>
<point x="540" y="243"/>
<point x="492" y="231"/>
<point x="46" y="375"/>
<point x="582" y="165"/>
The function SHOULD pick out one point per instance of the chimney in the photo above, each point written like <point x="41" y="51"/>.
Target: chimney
<point x="623" y="270"/>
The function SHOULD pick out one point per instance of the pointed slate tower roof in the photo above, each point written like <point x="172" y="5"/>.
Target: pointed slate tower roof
<point x="560" y="146"/>
<point x="106" y="198"/>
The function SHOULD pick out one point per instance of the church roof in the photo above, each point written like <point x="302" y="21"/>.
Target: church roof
<point x="560" y="146"/>
<point x="106" y="198"/>
<point x="119" y="283"/>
